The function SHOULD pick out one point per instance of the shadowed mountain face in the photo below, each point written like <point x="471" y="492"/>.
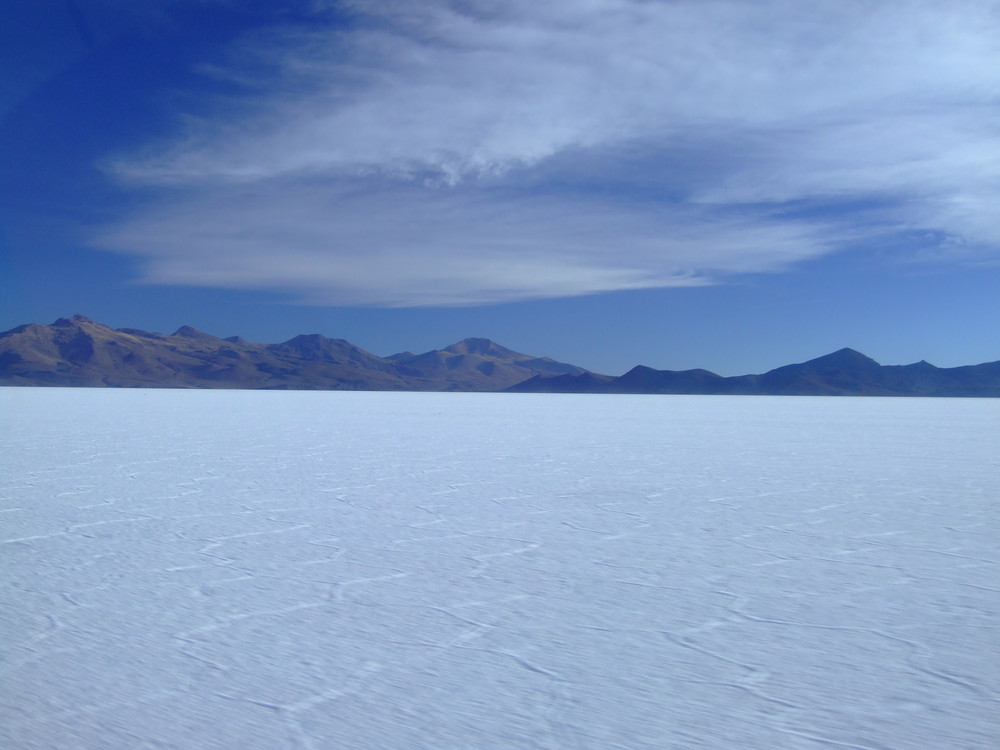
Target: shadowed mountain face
<point x="80" y="352"/>
<point x="842" y="373"/>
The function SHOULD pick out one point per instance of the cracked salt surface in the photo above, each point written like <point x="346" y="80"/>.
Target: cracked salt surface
<point x="205" y="569"/>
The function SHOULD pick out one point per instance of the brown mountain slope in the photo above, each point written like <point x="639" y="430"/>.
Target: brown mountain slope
<point x="80" y="352"/>
<point x="477" y="364"/>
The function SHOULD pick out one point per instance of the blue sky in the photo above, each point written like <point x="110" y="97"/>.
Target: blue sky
<point x="723" y="184"/>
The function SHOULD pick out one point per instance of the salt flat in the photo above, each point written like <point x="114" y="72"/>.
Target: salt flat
<point x="238" y="569"/>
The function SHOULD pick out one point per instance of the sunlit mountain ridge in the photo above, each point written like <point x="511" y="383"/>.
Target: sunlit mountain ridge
<point x="79" y="352"/>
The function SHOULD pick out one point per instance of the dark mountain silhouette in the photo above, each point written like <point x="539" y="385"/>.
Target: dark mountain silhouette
<point x="587" y="382"/>
<point x="80" y="352"/>
<point x="642" y="379"/>
<point x="842" y="373"/>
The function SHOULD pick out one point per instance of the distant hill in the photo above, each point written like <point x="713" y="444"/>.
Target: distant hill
<point x="842" y="373"/>
<point x="479" y="365"/>
<point x="80" y="352"/>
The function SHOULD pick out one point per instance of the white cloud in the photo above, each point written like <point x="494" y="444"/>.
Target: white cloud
<point x="451" y="152"/>
<point x="407" y="245"/>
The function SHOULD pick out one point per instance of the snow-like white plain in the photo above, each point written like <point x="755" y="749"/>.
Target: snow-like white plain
<point x="394" y="571"/>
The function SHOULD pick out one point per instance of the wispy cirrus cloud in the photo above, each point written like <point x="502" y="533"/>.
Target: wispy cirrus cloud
<point x="457" y="153"/>
<point x="406" y="245"/>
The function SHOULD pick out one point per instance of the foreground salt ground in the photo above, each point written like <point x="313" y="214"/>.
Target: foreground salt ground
<point x="196" y="569"/>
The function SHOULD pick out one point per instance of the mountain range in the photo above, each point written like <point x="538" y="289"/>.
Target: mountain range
<point x="843" y="373"/>
<point x="79" y="352"/>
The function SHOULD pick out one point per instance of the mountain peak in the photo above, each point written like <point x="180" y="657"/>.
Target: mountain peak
<point x="642" y="370"/>
<point x="847" y="352"/>
<point x="76" y="320"/>
<point x="315" y="342"/>
<point x="192" y="333"/>
<point x="479" y="346"/>
<point x="845" y="356"/>
<point x="317" y="347"/>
